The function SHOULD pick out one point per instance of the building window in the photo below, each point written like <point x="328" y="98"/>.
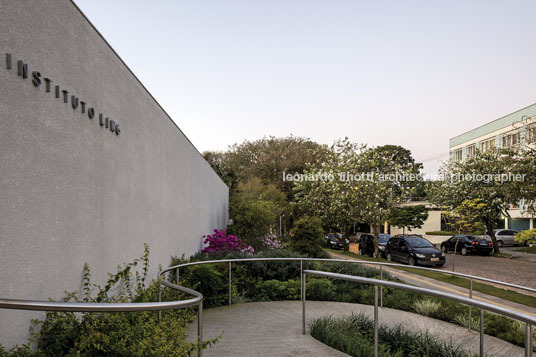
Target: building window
<point x="471" y="150"/>
<point x="510" y="139"/>
<point x="531" y="133"/>
<point x="458" y="155"/>
<point x="487" y="144"/>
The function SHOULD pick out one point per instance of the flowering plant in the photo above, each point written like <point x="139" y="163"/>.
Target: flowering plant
<point x="220" y="241"/>
<point x="271" y="241"/>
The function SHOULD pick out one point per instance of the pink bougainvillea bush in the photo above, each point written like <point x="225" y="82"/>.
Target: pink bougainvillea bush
<point x="271" y="241"/>
<point x="221" y="242"/>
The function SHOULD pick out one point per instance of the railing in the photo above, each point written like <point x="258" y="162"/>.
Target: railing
<point x="527" y="319"/>
<point x="482" y="305"/>
<point x="197" y="300"/>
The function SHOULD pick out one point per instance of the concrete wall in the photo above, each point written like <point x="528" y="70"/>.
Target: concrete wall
<point x="72" y="191"/>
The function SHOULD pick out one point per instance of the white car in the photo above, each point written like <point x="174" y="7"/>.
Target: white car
<point x="506" y="237"/>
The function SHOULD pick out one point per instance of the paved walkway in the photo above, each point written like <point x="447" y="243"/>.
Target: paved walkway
<point x="274" y="329"/>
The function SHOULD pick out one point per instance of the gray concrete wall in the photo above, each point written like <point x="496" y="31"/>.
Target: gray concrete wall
<point x="72" y="192"/>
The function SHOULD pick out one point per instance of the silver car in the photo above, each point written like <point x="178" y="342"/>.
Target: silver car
<point x="506" y="237"/>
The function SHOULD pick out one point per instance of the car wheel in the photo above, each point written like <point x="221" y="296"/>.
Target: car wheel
<point x="411" y="261"/>
<point x="499" y="243"/>
<point x="389" y="257"/>
<point x="464" y="251"/>
<point x="444" y="248"/>
<point x="526" y="243"/>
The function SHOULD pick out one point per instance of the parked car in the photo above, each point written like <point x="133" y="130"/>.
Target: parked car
<point x="366" y="244"/>
<point x="334" y="241"/>
<point x="506" y="237"/>
<point x="467" y="244"/>
<point x="413" y="250"/>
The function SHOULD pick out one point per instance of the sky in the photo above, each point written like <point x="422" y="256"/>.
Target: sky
<point x="409" y="73"/>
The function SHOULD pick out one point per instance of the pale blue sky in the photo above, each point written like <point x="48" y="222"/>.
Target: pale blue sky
<point x="412" y="73"/>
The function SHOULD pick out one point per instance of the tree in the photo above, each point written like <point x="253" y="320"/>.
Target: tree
<point x="465" y="219"/>
<point x="486" y="176"/>
<point x="365" y="184"/>
<point x="394" y="174"/>
<point x="324" y="194"/>
<point x="254" y="209"/>
<point x="307" y="237"/>
<point x="408" y="216"/>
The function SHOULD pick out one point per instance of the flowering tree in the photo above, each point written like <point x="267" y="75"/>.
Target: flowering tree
<point x="221" y="242"/>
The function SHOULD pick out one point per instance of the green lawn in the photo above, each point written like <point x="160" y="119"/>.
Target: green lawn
<point x="528" y="249"/>
<point x="462" y="282"/>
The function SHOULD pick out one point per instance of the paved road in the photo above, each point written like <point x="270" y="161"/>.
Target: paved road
<point x="530" y="257"/>
<point x="274" y="329"/>
<point x="515" y="271"/>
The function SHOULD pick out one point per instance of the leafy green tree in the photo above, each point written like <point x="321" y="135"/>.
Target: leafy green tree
<point x="465" y="219"/>
<point x="395" y="173"/>
<point x="336" y="201"/>
<point x="408" y="217"/>
<point x="307" y="237"/>
<point x="254" y="209"/>
<point x="498" y="195"/>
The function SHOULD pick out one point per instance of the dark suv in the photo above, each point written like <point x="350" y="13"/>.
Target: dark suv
<point x="467" y="244"/>
<point x="334" y="241"/>
<point x="413" y="250"/>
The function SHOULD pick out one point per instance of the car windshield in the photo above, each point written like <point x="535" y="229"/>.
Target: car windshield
<point x="383" y="238"/>
<point x="417" y="242"/>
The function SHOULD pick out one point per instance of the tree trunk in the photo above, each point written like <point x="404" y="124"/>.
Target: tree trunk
<point x="489" y="228"/>
<point x="376" y="231"/>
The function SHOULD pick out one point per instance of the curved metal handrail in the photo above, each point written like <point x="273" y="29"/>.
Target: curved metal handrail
<point x="197" y="300"/>
<point x="527" y="319"/>
<point x="472" y="277"/>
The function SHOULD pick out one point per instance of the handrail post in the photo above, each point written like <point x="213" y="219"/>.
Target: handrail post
<point x="470" y="319"/>
<point x="375" y="320"/>
<point x="230" y="286"/>
<point x="303" y="297"/>
<point x="159" y="300"/>
<point x="381" y="288"/>
<point x="177" y="276"/>
<point x="528" y="338"/>
<point x="200" y="329"/>
<point x="481" y="332"/>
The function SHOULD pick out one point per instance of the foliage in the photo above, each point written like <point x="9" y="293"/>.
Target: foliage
<point x="219" y="241"/>
<point x="354" y="335"/>
<point x="495" y="195"/>
<point x="528" y="236"/>
<point x="426" y="307"/>
<point x="408" y="216"/>
<point x="254" y="209"/>
<point x="308" y="237"/>
<point x="441" y="233"/>
<point x="114" y="334"/>
<point x="270" y="241"/>
<point x="377" y="184"/>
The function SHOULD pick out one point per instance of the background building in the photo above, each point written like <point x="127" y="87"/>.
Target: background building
<point x="91" y="166"/>
<point x="517" y="129"/>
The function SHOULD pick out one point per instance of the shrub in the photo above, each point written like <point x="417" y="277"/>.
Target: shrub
<point x="426" y="307"/>
<point x="308" y="237"/>
<point x="320" y="289"/>
<point x="118" y="333"/>
<point x="527" y="236"/>
<point x="270" y="241"/>
<point x="354" y="335"/>
<point x="220" y="242"/>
